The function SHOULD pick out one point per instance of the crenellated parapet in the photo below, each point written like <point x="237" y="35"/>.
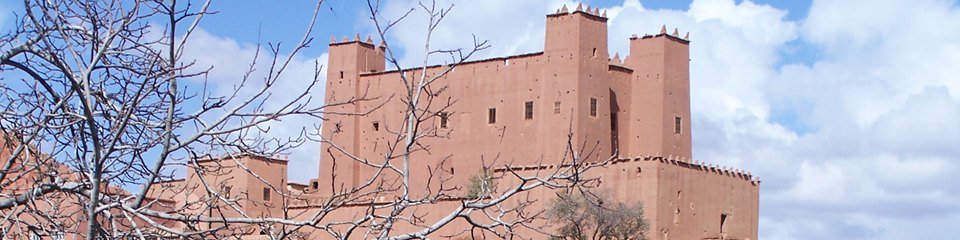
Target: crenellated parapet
<point x="663" y="33"/>
<point x="592" y="12"/>
<point x="671" y="160"/>
<point x="356" y="39"/>
<point x="694" y="165"/>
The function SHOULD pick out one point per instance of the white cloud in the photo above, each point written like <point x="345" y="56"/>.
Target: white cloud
<point x="511" y="27"/>
<point x="882" y="103"/>
<point x="230" y="60"/>
<point x="857" y="143"/>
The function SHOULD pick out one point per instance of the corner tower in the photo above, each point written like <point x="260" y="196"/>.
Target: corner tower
<point x="576" y="50"/>
<point x="660" y="87"/>
<point x="346" y="61"/>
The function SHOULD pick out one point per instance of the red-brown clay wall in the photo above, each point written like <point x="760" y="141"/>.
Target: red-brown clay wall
<point x="704" y="194"/>
<point x="637" y="104"/>
<point x="504" y="85"/>
<point x="60" y="214"/>
<point x="245" y="176"/>
<point x="701" y="195"/>
<point x="347" y="60"/>
<point x="661" y="88"/>
<point x="571" y="71"/>
<point x="271" y="176"/>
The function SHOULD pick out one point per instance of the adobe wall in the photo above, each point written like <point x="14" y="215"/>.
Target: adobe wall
<point x="662" y="184"/>
<point x="239" y="177"/>
<point x="661" y="91"/>
<point x="271" y="177"/>
<point x="560" y="82"/>
<point x="61" y="215"/>
<point x="347" y="60"/>
<point x="684" y="200"/>
<point x="642" y="106"/>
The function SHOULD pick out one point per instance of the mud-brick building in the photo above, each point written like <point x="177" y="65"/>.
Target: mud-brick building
<point x="520" y="113"/>
<point x="520" y="109"/>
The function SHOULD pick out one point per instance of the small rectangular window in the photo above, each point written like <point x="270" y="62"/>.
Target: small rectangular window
<point x="677" y="125"/>
<point x="444" y="118"/>
<point x="226" y="191"/>
<point x="556" y="107"/>
<point x="528" y="110"/>
<point x="593" y="107"/>
<point x="341" y="74"/>
<point x="266" y="194"/>
<point x="492" y="115"/>
<point x="376" y="126"/>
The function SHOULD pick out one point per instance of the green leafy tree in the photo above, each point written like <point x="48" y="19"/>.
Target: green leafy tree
<point x="584" y="215"/>
<point x="481" y="184"/>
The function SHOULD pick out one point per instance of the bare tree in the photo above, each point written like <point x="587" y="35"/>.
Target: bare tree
<point x="97" y="86"/>
<point x="96" y="116"/>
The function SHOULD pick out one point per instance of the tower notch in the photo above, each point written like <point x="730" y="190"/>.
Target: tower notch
<point x="661" y="80"/>
<point x="581" y="31"/>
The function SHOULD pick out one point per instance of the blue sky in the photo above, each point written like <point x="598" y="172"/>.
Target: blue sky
<point x="849" y="111"/>
<point x="266" y="21"/>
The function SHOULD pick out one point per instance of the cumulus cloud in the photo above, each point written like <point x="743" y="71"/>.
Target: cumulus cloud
<point x="858" y="142"/>
<point x="882" y="102"/>
<point x="228" y="61"/>
<point x="511" y="27"/>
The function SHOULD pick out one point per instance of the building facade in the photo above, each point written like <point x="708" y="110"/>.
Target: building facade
<point x="519" y="111"/>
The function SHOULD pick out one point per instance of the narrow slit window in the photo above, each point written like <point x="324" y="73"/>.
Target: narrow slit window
<point x="444" y="119"/>
<point x="528" y="110"/>
<point x="376" y="126"/>
<point x="492" y="115"/>
<point x="676" y="216"/>
<point x="678" y="125"/>
<point x="593" y="107"/>
<point x="266" y="194"/>
<point x="341" y="74"/>
<point x="556" y="107"/>
<point x="723" y="223"/>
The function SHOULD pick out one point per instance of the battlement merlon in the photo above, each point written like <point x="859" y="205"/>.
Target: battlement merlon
<point x="595" y="14"/>
<point x="582" y="33"/>
<point x="673" y="37"/>
<point x="352" y="57"/>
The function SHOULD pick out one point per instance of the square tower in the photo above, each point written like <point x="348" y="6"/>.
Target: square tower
<point x="341" y="124"/>
<point x="660" y="87"/>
